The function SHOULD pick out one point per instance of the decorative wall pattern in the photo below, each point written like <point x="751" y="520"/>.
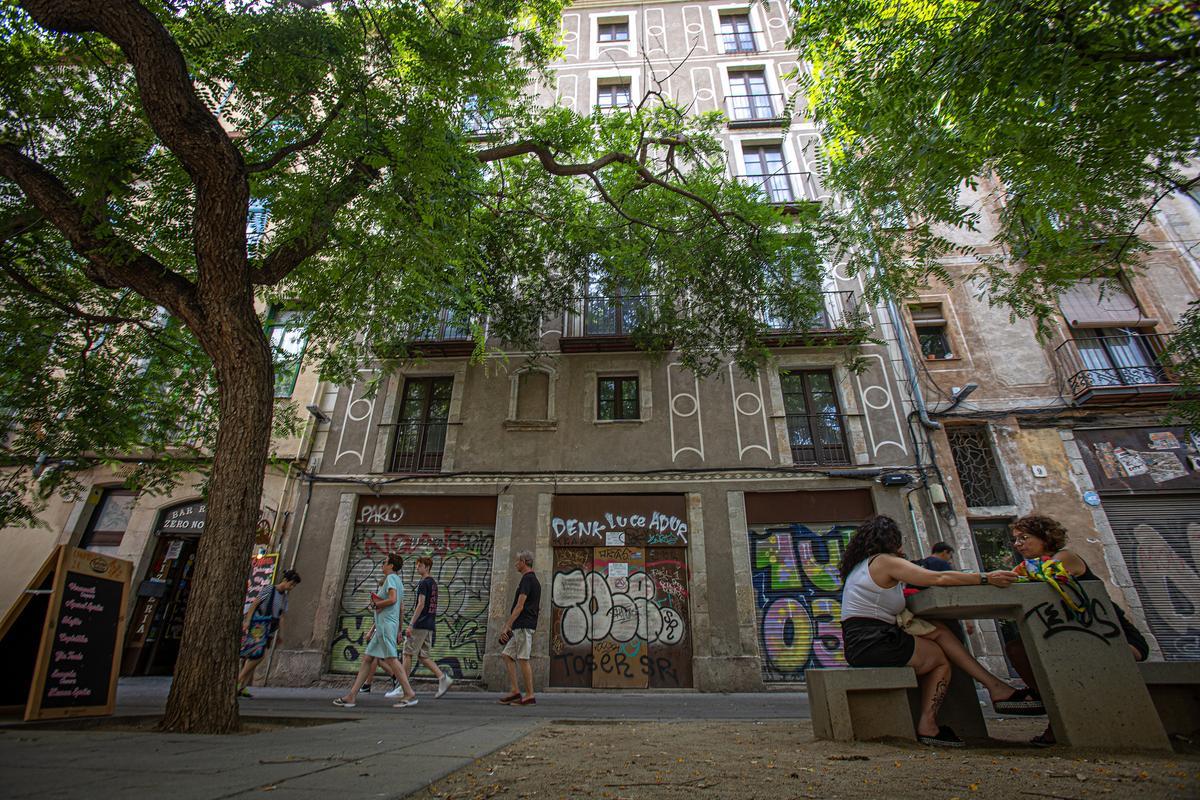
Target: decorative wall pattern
<point x="687" y="427"/>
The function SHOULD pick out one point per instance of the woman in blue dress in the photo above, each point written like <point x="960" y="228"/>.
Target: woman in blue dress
<point x="387" y="604"/>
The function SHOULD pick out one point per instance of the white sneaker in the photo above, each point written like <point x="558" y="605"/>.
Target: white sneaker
<point x="444" y="685"/>
<point x="397" y="692"/>
<point x="405" y="703"/>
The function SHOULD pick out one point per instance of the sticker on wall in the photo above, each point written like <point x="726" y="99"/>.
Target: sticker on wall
<point x="174" y="549"/>
<point x="1131" y="462"/>
<point x="1163" y="440"/>
<point x="1107" y="460"/>
<point x="1163" y="467"/>
<point x="614" y="538"/>
<point x="1091" y="498"/>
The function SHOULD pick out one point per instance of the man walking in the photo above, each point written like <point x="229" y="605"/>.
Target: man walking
<point x="517" y="636"/>
<point x="261" y="622"/>
<point x="419" y="640"/>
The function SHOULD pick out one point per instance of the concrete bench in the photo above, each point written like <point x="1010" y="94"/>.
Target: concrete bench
<point x="861" y="704"/>
<point x="1174" y="687"/>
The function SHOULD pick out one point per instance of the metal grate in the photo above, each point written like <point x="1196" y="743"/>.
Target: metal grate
<point x="975" y="461"/>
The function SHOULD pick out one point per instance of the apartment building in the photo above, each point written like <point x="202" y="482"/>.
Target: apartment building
<point x="686" y="530"/>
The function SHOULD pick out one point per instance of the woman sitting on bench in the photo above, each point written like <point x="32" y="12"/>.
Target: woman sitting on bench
<point x="1037" y="538"/>
<point x="873" y="570"/>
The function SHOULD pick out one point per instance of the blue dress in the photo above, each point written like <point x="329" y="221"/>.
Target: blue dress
<point x="387" y="621"/>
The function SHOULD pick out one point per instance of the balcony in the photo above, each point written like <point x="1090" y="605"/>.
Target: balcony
<point x="742" y="41"/>
<point x="755" y="110"/>
<point x="419" y="446"/>
<point x="839" y="318"/>
<point x="448" y="337"/>
<point x="818" y="439"/>
<point x="603" y="324"/>
<point x="785" y="189"/>
<point x="1100" y="369"/>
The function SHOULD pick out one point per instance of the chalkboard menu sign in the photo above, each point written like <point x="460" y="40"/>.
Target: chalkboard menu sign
<point x="71" y="669"/>
<point x="262" y="573"/>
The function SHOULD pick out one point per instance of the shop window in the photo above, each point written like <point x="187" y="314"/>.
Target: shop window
<point x="932" y="333"/>
<point x="533" y="395"/>
<point x="110" y="519"/>
<point x="617" y="398"/>
<point x="816" y="426"/>
<point x="421" y="428"/>
<point x="286" y="334"/>
<point x="975" y="461"/>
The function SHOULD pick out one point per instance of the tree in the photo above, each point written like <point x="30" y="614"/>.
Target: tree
<point x="1071" y="120"/>
<point x="138" y="136"/>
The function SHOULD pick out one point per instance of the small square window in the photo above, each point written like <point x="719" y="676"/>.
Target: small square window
<point x="613" y="94"/>
<point x="617" y="398"/>
<point x="932" y="332"/>
<point x="614" y="31"/>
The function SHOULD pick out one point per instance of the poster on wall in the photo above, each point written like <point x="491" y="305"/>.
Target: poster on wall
<point x="1133" y="459"/>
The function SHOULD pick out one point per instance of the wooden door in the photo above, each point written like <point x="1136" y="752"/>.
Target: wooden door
<point x="620" y="590"/>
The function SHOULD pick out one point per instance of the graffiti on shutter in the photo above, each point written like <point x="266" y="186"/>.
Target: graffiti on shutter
<point x="462" y="567"/>
<point x="797" y="596"/>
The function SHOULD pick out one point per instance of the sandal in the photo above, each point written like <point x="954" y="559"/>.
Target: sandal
<point x="340" y="703"/>
<point x="509" y="699"/>
<point x="1023" y="703"/>
<point x="946" y="737"/>
<point x="1044" y="739"/>
<point x="525" y="701"/>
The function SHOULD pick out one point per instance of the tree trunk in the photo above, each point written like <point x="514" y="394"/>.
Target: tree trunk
<point x="203" y="694"/>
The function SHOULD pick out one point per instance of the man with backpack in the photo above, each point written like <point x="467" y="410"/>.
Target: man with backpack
<point x="419" y="641"/>
<point x="261" y="623"/>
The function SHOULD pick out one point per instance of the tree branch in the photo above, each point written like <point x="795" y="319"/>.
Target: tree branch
<point x="111" y="261"/>
<point x="295" y="147"/>
<point x="29" y="286"/>
<point x="290" y="254"/>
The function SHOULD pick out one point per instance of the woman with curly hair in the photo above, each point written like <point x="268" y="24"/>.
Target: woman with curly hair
<point x="874" y="570"/>
<point x="1037" y="538"/>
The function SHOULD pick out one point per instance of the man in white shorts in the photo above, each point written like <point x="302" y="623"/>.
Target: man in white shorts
<point x="517" y="635"/>
<point x="419" y="641"/>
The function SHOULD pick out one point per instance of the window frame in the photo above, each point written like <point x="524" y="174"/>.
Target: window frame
<point x="930" y="319"/>
<point x="609" y="87"/>
<point x="760" y="148"/>
<point x="274" y="322"/>
<point x="420" y="457"/>
<point x="1000" y="488"/>
<point x="619" y="401"/>
<point x="88" y="540"/>
<point x="613" y="23"/>
<point x="823" y="453"/>
<point x="723" y="36"/>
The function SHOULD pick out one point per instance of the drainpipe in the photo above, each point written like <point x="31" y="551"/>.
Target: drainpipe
<point x="910" y="369"/>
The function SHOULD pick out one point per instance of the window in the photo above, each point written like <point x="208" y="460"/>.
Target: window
<point x="256" y="224"/>
<point x="978" y="472"/>
<point x="993" y="543"/>
<point x="287" y="338"/>
<point x="930" y="323"/>
<point x="767" y="169"/>
<point x="613" y="93"/>
<point x="749" y="98"/>
<point x="533" y="395"/>
<point x="615" y="314"/>
<point x="613" y="31"/>
<point x="617" y="398"/>
<point x="421" y="428"/>
<point x="1118" y="357"/>
<point x="736" y="34"/>
<point x="816" y="427"/>
<point x="478" y="121"/>
<point x="109" y="521"/>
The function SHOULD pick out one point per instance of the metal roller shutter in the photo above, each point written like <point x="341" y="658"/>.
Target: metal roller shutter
<point x="1159" y="537"/>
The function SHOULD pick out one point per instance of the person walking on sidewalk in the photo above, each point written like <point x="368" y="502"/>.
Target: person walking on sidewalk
<point x="517" y="636"/>
<point x="262" y="622"/>
<point x="388" y="606"/>
<point x="419" y="641"/>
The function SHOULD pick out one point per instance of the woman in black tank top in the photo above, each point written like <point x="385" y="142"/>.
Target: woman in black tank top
<point x="1035" y="537"/>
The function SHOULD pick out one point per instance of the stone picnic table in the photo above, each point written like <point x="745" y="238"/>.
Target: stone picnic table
<point x="1086" y="674"/>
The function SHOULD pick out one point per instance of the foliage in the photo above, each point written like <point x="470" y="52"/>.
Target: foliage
<point x="1066" y="120"/>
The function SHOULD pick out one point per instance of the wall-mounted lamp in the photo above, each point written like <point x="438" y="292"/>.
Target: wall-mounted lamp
<point x="317" y="413"/>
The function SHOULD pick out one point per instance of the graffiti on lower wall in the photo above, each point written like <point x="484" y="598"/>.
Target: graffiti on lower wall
<point x="797" y="596"/>
<point x="1165" y="562"/>
<point x="462" y="567"/>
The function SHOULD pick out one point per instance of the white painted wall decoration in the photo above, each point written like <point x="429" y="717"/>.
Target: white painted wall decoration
<point x="878" y="397"/>
<point x="750" y="413"/>
<point x="777" y="27"/>
<point x="568" y="91"/>
<point x="687" y="428"/>
<point x="704" y="88"/>
<point x="570" y="35"/>
<point x="656" y="32"/>
<point x="357" y="410"/>
<point x="693" y="28"/>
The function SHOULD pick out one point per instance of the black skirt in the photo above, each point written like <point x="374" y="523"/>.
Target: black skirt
<point x="875" y="643"/>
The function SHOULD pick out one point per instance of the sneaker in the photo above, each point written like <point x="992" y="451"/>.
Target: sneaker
<point x="946" y="737"/>
<point x="444" y="685"/>
<point x="395" y="691"/>
<point x="366" y="688"/>
<point x="412" y="701"/>
<point x="340" y="703"/>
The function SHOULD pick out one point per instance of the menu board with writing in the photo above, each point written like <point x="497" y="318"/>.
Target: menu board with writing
<point x="75" y="671"/>
<point x="262" y="573"/>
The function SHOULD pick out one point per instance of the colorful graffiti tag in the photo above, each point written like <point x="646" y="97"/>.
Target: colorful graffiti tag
<point x="462" y="566"/>
<point x="797" y="595"/>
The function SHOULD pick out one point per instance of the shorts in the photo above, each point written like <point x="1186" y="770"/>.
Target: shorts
<point x="520" y="645"/>
<point x="875" y="643"/>
<point x="419" y="644"/>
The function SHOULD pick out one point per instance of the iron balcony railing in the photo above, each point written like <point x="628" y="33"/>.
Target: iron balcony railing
<point x="785" y="188"/>
<point x="839" y="311"/>
<point x="419" y="446"/>
<point x="448" y="327"/>
<point x="1113" y="364"/>
<point x="748" y="108"/>
<point x="818" y="438"/>
<point x="740" y="41"/>
<point x="613" y="315"/>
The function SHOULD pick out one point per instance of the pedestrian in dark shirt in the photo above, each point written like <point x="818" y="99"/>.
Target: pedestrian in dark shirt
<point x="419" y="641"/>
<point x="517" y="635"/>
<point x="939" y="561"/>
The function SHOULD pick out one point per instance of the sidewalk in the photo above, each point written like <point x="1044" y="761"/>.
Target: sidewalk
<point x="371" y="751"/>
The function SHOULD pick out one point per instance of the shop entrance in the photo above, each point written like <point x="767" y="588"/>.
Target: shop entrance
<point x="156" y="628"/>
<point x="620" y="611"/>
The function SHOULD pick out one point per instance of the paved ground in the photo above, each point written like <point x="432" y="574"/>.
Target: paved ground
<point x="369" y="751"/>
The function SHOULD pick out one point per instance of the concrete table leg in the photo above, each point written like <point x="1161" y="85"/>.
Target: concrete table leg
<point x="1087" y="676"/>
